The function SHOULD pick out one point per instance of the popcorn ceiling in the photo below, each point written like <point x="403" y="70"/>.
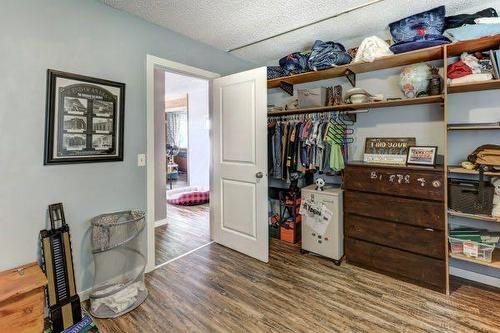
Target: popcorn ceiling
<point x="226" y="24"/>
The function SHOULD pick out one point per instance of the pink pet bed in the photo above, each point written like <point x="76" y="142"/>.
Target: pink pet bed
<point x="188" y="196"/>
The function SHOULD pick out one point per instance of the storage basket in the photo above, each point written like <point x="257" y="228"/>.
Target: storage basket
<point x="471" y="249"/>
<point x="471" y="196"/>
<point x="115" y="229"/>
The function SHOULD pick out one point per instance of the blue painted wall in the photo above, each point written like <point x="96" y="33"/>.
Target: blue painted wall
<point x="88" y="38"/>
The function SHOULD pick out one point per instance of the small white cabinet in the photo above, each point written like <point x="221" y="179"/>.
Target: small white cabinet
<point x="320" y="235"/>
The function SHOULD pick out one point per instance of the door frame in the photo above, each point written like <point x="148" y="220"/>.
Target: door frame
<point x="153" y="62"/>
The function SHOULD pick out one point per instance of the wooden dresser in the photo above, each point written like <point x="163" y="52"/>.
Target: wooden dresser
<point x="394" y="221"/>
<point x="22" y="299"/>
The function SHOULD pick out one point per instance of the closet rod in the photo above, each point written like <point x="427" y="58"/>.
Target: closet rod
<point x="307" y="25"/>
<point x="342" y="115"/>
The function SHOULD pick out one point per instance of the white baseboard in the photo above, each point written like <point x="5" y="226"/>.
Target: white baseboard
<point x="473" y="276"/>
<point x="159" y="223"/>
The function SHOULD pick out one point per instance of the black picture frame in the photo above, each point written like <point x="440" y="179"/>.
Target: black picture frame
<point x="84" y="121"/>
<point x="434" y="155"/>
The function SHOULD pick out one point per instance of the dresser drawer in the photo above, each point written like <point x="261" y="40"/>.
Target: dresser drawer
<point x="414" y="239"/>
<point x="422" y="270"/>
<point x="427" y="214"/>
<point x="414" y="183"/>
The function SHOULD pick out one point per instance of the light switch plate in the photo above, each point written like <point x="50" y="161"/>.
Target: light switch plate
<point x="141" y="160"/>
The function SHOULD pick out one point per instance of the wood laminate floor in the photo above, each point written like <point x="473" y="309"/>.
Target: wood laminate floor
<point x="216" y="289"/>
<point x="187" y="228"/>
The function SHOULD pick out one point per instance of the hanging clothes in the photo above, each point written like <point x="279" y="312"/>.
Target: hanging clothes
<point x="306" y="145"/>
<point x="277" y="152"/>
<point x="335" y="137"/>
<point x="270" y="147"/>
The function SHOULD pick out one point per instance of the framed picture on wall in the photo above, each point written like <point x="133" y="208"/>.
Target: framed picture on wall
<point x="84" y="119"/>
<point x="422" y="155"/>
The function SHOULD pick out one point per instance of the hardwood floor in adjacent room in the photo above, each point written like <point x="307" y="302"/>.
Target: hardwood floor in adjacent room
<point x="216" y="289"/>
<point x="188" y="228"/>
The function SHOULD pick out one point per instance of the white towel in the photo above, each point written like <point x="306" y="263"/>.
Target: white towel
<point x="120" y="301"/>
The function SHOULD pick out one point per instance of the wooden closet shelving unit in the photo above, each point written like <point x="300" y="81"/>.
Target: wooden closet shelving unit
<point x="443" y="52"/>
<point x="397" y="60"/>
<point x="479" y="217"/>
<point x="473" y="86"/>
<point x="472" y="127"/>
<point x="453" y="50"/>
<point x="363" y="106"/>
<point x="495" y="263"/>
<point x="458" y="169"/>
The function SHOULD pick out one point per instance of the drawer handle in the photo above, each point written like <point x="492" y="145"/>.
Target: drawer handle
<point x="429" y="229"/>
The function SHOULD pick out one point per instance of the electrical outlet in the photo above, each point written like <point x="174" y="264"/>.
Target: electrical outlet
<point x="141" y="160"/>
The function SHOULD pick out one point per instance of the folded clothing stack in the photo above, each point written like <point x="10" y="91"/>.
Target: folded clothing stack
<point x="471" y="68"/>
<point x="295" y="63"/>
<point x="471" y="26"/>
<point x="323" y="55"/>
<point x="326" y="55"/>
<point x="419" y="31"/>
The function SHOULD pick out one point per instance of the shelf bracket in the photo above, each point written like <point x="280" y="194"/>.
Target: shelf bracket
<point x="287" y="87"/>
<point x="351" y="77"/>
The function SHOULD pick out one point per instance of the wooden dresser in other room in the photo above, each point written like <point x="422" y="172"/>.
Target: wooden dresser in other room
<point x="22" y="299"/>
<point x="394" y="221"/>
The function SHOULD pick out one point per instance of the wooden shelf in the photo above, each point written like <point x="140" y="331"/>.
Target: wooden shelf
<point x="495" y="263"/>
<point x="480" y="44"/>
<point x="459" y="169"/>
<point x="397" y="60"/>
<point x="472" y="127"/>
<point x="363" y="106"/>
<point x="486" y="218"/>
<point x="474" y="86"/>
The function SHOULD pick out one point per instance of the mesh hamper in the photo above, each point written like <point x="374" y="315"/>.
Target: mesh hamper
<point x="119" y="263"/>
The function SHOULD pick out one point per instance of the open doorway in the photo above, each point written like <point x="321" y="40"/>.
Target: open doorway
<point x="187" y="160"/>
<point x="178" y="160"/>
<point x="237" y="141"/>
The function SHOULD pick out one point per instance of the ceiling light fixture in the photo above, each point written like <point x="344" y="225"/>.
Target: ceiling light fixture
<point x="307" y="25"/>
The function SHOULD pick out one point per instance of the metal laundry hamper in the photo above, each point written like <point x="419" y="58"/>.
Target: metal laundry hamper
<point x="119" y="263"/>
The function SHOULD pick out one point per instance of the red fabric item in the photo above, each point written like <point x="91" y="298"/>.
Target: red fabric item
<point x="458" y="69"/>
<point x="190" y="199"/>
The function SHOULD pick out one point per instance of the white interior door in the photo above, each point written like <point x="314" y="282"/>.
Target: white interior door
<point x="239" y="183"/>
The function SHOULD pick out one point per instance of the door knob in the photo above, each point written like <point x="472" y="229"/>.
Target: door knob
<point x="259" y="174"/>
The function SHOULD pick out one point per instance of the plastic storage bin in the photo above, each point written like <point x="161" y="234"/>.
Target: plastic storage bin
<point x="479" y="251"/>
